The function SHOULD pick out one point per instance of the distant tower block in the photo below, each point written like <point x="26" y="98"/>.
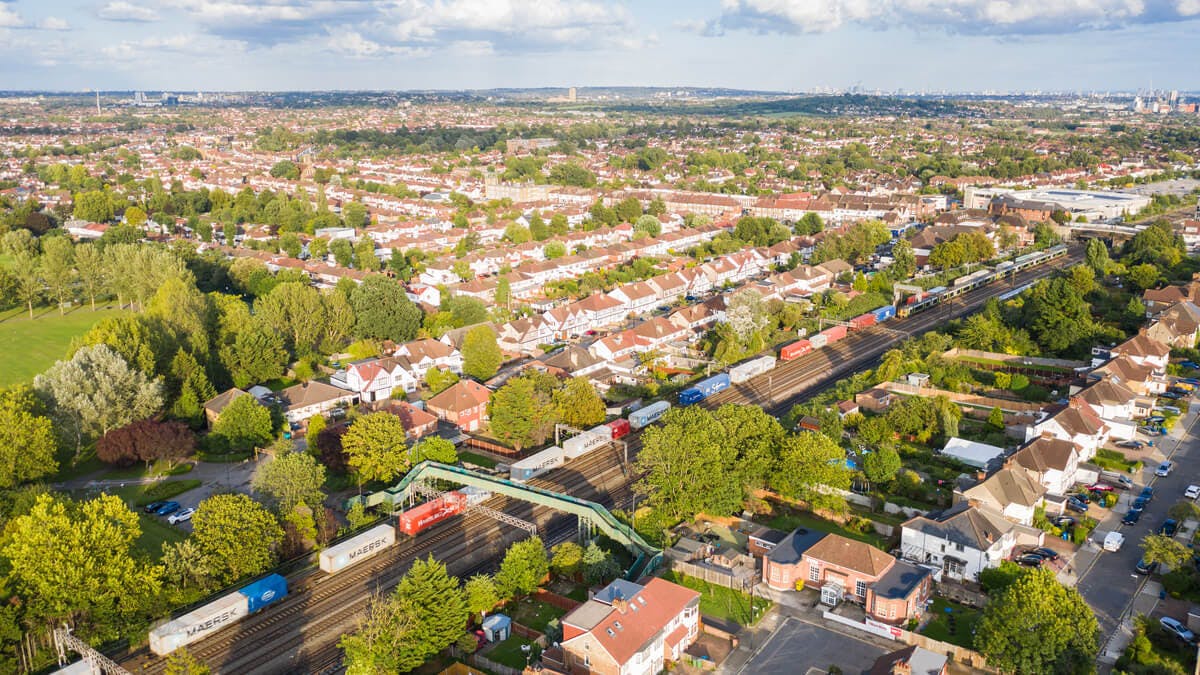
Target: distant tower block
<point x="571" y="94"/>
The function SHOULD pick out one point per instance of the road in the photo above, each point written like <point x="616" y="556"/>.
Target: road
<point x="1109" y="583"/>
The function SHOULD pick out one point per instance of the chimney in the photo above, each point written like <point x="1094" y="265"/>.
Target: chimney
<point x="901" y="668"/>
<point x="981" y="475"/>
<point x="621" y="605"/>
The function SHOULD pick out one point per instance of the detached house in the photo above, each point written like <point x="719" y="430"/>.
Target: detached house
<point x="1076" y="423"/>
<point x="1049" y="461"/>
<point x="464" y="403"/>
<point x="627" y="629"/>
<point x="376" y="379"/>
<point x="1146" y="351"/>
<point x="1009" y="492"/>
<point x="962" y="540"/>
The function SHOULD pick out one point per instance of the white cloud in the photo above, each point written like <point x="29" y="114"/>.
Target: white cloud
<point x="53" y="23"/>
<point x="186" y="44"/>
<point x="964" y="16"/>
<point x="120" y="10"/>
<point x="351" y="43"/>
<point x="9" y="18"/>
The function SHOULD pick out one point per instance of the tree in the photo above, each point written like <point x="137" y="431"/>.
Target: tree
<point x="96" y="391"/>
<point x="517" y="233"/>
<point x="1165" y="551"/>
<point x="578" y="404"/>
<point x="193" y="389"/>
<point x="1037" y="625"/>
<point x="554" y="249"/>
<point x="343" y="252"/>
<point x="57" y="269"/>
<point x="628" y="210"/>
<point x="1158" y="244"/>
<point x="290" y="245"/>
<point x="245" y="424"/>
<point x="383" y="311"/>
<point x="481" y="354"/>
<point x="1097" y="257"/>
<point x="1082" y="278"/>
<point x="26" y="282"/>
<point x="355" y="215"/>
<point x="306" y="317"/>
<point x="1057" y="315"/>
<point x="89" y="263"/>
<point x="375" y="447"/>
<point x="687" y="466"/>
<point x="380" y="645"/>
<point x="237" y="535"/>
<point x="435" y="449"/>
<point x="599" y="567"/>
<point x="330" y="451"/>
<point x="364" y="255"/>
<point x="882" y="464"/>
<point x="747" y="316"/>
<point x="439" y="380"/>
<point x="808" y="463"/>
<point x="135" y="216"/>
<point x="181" y="662"/>
<point x="648" y="224"/>
<point x="77" y="562"/>
<point x="519" y="414"/>
<point x="524" y="566"/>
<point x="567" y="558"/>
<point x="257" y="354"/>
<point x="285" y="169"/>
<point x="481" y="595"/>
<point x="316" y="424"/>
<point x="93" y="206"/>
<point x="1144" y="276"/>
<point x="27" y="443"/>
<point x="538" y="228"/>
<point x="996" y="419"/>
<point x="146" y="441"/>
<point x="290" y="479"/>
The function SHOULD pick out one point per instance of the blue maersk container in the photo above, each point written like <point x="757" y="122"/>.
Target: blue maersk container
<point x="268" y="590"/>
<point x="884" y="313"/>
<point x="704" y="388"/>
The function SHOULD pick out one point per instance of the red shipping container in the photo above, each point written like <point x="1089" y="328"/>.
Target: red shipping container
<point x="864" y="321"/>
<point x="834" y="334"/>
<point x="430" y="513"/>
<point x="620" y="427"/>
<point x="795" y="350"/>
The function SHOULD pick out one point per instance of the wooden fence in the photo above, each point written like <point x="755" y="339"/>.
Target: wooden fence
<point x="554" y="599"/>
<point x="483" y="662"/>
<point x="490" y="446"/>
<point x="719" y="576"/>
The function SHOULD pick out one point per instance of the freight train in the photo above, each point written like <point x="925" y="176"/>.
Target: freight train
<point x="970" y="282"/>
<point x="215" y="615"/>
<point x="581" y="444"/>
<point x="833" y="334"/>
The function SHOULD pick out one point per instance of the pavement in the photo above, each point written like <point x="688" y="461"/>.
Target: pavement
<point x="1107" y="580"/>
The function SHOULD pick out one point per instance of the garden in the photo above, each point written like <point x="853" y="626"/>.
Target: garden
<point x="721" y="602"/>
<point x="951" y="622"/>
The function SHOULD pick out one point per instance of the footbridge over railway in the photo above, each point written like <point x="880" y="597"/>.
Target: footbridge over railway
<point x="590" y="514"/>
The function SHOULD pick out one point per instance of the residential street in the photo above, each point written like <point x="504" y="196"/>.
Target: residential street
<point x="1107" y="579"/>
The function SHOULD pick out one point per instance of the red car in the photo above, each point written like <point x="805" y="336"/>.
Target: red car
<point x="1100" y="487"/>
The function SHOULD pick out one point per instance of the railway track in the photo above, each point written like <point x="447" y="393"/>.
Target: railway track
<point x="300" y="634"/>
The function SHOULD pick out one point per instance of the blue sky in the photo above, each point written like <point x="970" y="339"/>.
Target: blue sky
<point x="959" y="45"/>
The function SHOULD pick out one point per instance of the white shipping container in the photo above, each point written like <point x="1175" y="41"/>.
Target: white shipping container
<point x="819" y="340"/>
<point x="358" y="548"/>
<point x="537" y="464"/>
<point x="751" y="369"/>
<point x="584" y="443"/>
<point x="647" y="415"/>
<point x="474" y="495"/>
<point x="81" y="667"/>
<point x="199" y="623"/>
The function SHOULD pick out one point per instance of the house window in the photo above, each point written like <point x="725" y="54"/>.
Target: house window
<point x="860" y="589"/>
<point x="814" y="572"/>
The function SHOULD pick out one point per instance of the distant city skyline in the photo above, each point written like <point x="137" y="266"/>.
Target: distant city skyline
<point x="781" y="45"/>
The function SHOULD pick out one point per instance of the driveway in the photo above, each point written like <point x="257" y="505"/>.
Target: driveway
<point x="1109" y="584"/>
<point x="798" y="647"/>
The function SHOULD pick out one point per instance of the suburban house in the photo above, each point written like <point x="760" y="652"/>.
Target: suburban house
<point x="214" y="406"/>
<point x="1076" y="423"/>
<point x="1049" y="461"/>
<point x="464" y="403"/>
<point x="627" y="629"/>
<point x="962" y="540"/>
<point x="376" y="379"/>
<point x="1009" y="492"/>
<point x="1141" y="379"/>
<point x="1146" y="351"/>
<point x="429" y="353"/>
<point x="1114" y="403"/>
<point x="891" y="591"/>
<point x="911" y="660"/>
<point x="1178" y="326"/>
<point x="306" y="399"/>
<point x="417" y="423"/>
<point x="874" y="399"/>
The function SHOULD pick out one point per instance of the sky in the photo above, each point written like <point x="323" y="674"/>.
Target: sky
<point x="778" y="45"/>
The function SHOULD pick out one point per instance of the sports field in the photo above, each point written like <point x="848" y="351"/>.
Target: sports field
<point x="27" y="347"/>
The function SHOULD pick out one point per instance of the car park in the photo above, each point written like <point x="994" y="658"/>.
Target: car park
<point x="154" y="506"/>
<point x="1143" y="567"/>
<point x="1164" y="469"/>
<point x="1177" y="629"/>
<point x="1192" y="492"/>
<point x="1132" y="516"/>
<point x="1030" y="560"/>
<point x="179" y="517"/>
<point x="1169" y="527"/>
<point x="167" y="508"/>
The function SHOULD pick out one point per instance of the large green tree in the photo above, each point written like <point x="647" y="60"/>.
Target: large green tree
<point x="578" y="404"/>
<point x="383" y="311"/>
<point x="245" y="424"/>
<point x="375" y="447"/>
<point x="481" y="354"/>
<point x="236" y="535"/>
<point x="524" y="566"/>
<point x="290" y="479"/>
<point x="1037" y="625"/>
<point x="809" y="463"/>
<point x="688" y="466"/>
<point x="27" y="443"/>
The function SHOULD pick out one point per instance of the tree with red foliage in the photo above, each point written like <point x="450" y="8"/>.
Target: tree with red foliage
<point x="329" y="449"/>
<point x="148" y="441"/>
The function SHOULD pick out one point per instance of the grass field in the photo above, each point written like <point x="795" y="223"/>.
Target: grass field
<point x="956" y="626"/>
<point x="155" y="533"/>
<point x="28" y="347"/>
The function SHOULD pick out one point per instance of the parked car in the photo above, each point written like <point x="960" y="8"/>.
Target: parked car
<point x="1155" y="419"/>
<point x="1132" y="445"/>
<point x="1147" y="494"/>
<point x="1030" y="560"/>
<point x="1164" y="469"/>
<point x="1140" y="503"/>
<point x="181" y="516"/>
<point x="1132" y="516"/>
<point x="1047" y="553"/>
<point x="1077" y="505"/>
<point x="167" y="508"/>
<point x="1173" y="395"/>
<point x="153" y="506"/>
<point x="1190" y="364"/>
<point x="1169" y="527"/>
<point x="1064" y="522"/>
<point x="1100" y="487"/>
<point x="1143" y="567"/>
<point x="1192" y="492"/>
<point x="1177" y="629"/>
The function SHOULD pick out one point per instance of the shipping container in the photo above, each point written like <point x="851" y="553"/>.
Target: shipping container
<point x="474" y="495"/>
<point x="620" y="427"/>
<point x="581" y="444"/>
<point x="834" y="333"/>
<point x="648" y="415"/>
<point x="862" y="321"/>
<point x="430" y="513"/>
<point x="884" y="313"/>
<point x="537" y="464"/>
<point x="795" y="350"/>
<point x="704" y="388"/>
<point x="268" y="590"/>
<point x="819" y="340"/>
<point x="357" y="548"/>
<point x="751" y="369"/>
<point x="198" y="623"/>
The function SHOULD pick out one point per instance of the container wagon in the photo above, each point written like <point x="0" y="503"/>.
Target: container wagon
<point x="203" y="621"/>
<point x="819" y="340"/>
<point x="357" y="548"/>
<point x="474" y="495"/>
<point x="620" y="427"/>
<point x="863" y="321"/>
<point x="751" y="369"/>
<point x="884" y="313"/>
<point x="795" y="350"/>
<point x="537" y="464"/>
<point x="704" y="388"/>
<point x="639" y="419"/>
<point x="418" y="518"/>
<point x="581" y="444"/>
<point x="833" y="334"/>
